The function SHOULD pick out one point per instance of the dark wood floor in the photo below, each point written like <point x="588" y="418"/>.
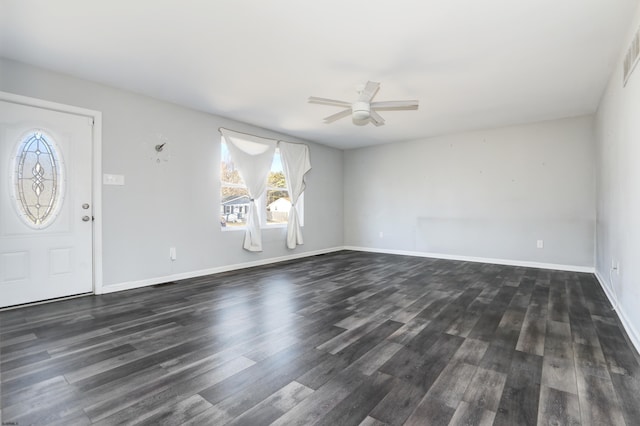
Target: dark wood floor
<point x="342" y="339"/>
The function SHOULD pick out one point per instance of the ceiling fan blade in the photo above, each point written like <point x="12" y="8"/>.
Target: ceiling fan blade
<point x="369" y="91"/>
<point x="325" y="101"/>
<point x="337" y="116"/>
<point x="389" y="105"/>
<point x="376" y="118"/>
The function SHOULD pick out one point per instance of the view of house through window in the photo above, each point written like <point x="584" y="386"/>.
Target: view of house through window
<point x="273" y="207"/>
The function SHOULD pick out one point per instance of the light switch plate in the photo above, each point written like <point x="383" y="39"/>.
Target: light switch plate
<point x="108" y="179"/>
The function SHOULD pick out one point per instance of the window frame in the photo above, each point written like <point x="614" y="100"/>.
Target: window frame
<point x="261" y="202"/>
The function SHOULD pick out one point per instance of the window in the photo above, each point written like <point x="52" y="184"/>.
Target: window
<point x="38" y="180"/>
<point x="273" y="206"/>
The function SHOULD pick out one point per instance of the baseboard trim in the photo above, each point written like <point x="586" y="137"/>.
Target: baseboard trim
<point x="507" y="262"/>
<point x="130" y="285"/>
<point x="633" y="334"/>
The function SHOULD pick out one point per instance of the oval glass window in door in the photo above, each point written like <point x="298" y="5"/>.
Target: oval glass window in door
<point x="39" y="179"/>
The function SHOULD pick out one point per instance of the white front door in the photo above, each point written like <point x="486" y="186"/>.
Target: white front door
<point x="46" y="205"/>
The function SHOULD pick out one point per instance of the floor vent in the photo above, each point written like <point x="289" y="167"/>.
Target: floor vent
<point x="631" y="59"/>
<point x="163" y="284"/>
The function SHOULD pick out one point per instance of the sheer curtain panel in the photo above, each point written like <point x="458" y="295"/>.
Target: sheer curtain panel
<point x="252" y="157"/>
<point x="296" y="164"/>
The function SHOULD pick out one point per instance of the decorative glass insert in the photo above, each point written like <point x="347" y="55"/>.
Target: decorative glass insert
<point x="38" y="179"/>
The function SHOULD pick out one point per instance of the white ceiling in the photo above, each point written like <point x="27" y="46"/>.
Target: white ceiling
<point x="472" y="64"/>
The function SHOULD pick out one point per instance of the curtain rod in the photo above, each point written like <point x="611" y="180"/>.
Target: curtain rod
<point x="220" y="129"/>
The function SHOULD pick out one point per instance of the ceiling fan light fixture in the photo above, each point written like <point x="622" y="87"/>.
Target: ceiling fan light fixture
<point x="361" y="110"/>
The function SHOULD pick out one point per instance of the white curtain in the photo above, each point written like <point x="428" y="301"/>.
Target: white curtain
<point x="252" y="156"/>
<point x="296" y="164"/>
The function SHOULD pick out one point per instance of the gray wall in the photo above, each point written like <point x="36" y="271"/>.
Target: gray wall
<point x="486" y="194"/>
<point x="175" y="203"/>
<point x="618" y="192"/>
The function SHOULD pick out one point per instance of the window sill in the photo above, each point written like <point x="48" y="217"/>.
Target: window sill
<point x="242" y="228"/>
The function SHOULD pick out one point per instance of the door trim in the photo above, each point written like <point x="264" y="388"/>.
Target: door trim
<point x="96" y="173"/>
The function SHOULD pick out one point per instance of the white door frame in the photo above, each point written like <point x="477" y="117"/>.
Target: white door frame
<point x="96" y="181"/>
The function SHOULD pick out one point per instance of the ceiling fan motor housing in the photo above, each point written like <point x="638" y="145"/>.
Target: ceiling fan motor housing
<point x="361" y="110"/>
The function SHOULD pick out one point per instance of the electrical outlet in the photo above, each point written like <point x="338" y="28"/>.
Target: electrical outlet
<point x="540" y="244"/>
<point x="172" y="253"/>
<point x="615" y="266"/>
<point x="381" y="234"/>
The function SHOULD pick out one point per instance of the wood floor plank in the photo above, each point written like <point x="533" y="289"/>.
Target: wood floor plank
<point x="370" y="362"/>
<point x="400" y="402"/>
<point x="497" y="358"/>
<point x="265" y="372"/>
<point x="409" y="330"/>
<point x="154" y="399"/>
<point x="451" y="384"/>
<point x="532" y="335"/>
<point x="558" y="408"/>
<point x="628" y="393"/>
<point x="589" y="359"/>
<point x="471" y="351"/>
<point x="485" y="389"/>
<point x="328" y="396"/>
<point x="323" y="371"/>
<point x="355" y="407"/>
<point x="343" y="338"/>
<point x="620" y="359"/>
<point x="17" y="379"/>
<point x="370" y="421"/>
<point x="509" y="329"/>
<point x="430" y="412"/>
<point x="264" y="385"/>
<point x="464" y="324"/>
<point x="468" y="414"/>
<point x="558" y="340"/>
<point x="598" y="401"/>
<point x="558" y="305"/>
<point x="55" y="403"/>
<point x="274" y="406"/>
<point x="110" y="397"/>
<point x="424" y="368"/>
<point x="559" y="373"/>
<point x="519" y="402"/>
<point x="39" y="391"/>
<point x="179" y="412"/>
<point x="485" y="327"/>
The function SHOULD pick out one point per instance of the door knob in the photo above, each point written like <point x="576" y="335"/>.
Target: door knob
<point x="86" y="218"/>
<point x="85" y="206"/>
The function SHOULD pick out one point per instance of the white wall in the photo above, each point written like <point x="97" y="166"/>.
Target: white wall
<point x="618" y="192"/>
<point x="175" y="203"/>
<point x="487" y="194"/>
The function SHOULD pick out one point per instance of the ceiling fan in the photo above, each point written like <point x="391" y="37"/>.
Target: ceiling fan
<point x="363" y="110"/>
